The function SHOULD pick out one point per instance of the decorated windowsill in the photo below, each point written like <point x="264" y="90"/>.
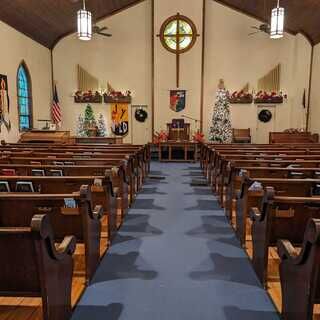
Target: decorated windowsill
<point x="240" y="100"/>
<point x="269" y="101"/>
<point x="87" y="97"/>
<point x="269" y="98"/>
<point x="117" y="98"/>
<point x="240" y="97"/>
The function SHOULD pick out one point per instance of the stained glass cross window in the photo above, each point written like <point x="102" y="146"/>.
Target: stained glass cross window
<point x="178" y="34"/>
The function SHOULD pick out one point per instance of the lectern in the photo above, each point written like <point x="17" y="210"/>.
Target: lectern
<point x="178" y="130"/>
<point x="178" y="147"/>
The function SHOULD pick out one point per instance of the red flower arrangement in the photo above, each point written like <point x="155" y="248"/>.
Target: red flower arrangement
<point x="161" y="136"/>
<point x="117" y="96"/>
<point x="198" y="136"/>
<point x="87" y="97"/>
<point x="241" y="97"/>
<point x="266" y="97"/>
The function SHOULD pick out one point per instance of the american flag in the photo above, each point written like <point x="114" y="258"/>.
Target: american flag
<point x="56" y="109"/>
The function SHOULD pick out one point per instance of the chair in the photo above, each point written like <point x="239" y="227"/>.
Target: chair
<point x="241" y="135"/>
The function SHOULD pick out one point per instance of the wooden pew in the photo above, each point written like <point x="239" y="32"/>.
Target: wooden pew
<point x="100" y="186"/>
<point x="208" y="151"/>
<point x="297" y="137"/>
<point x="140" y="152"/>
<point x="17" y="210"/>
<point x="299" y="274"/>
<point x="33" y="266"/>
<point x="118" y="174"/>
<point x="278" y="218"/>
<point x="235" y="174"/>
<point x="221" y="177"/>
<point x="252" y="198"/>
<point x="132" y="172"/>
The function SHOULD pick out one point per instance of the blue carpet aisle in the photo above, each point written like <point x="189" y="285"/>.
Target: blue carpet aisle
<point x="175" y="258"/>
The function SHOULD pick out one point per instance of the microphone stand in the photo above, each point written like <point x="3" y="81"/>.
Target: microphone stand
<point x="193" y="119"/>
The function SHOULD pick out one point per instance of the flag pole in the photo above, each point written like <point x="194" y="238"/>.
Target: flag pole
<point x="52" y="83"/>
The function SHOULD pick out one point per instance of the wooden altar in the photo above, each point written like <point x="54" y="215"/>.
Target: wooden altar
<point x="43" y="136"/>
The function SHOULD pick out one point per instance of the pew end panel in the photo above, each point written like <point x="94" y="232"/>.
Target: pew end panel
<point x="46" y="270"/>
<point x="260" y="230"/>
<point x="299" y="274"/>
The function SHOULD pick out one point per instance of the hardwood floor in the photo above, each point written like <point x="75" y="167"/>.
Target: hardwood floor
<point x="274" y="286"/>
<point x="16" y="308"/>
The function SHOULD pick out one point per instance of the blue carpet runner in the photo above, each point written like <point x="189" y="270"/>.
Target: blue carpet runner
<point x="175" y="257"/>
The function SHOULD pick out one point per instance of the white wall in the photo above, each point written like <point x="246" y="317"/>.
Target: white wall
<point x="15" y="48"/>
<point x="315" y="92"/>
<point x="124" y="60"/>
<point x="165" y="64"/>
<point x="237" y="58"/>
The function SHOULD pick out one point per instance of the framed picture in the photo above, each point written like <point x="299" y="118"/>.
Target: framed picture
<point x="177" y="100"/>
<point x="4" y="102"/>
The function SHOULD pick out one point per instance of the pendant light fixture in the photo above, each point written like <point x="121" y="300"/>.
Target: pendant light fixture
<point x="84" y="23"/>
<point x="277" y="22"/>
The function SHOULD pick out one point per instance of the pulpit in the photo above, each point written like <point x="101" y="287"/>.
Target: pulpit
<point x="178" y="147"/>
<point x="178" y="130"/>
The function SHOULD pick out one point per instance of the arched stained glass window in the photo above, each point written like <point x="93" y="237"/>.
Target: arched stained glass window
<point x="24" y="98"/>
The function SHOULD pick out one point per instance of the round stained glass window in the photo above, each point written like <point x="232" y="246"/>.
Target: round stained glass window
<point x="178" y="34"/>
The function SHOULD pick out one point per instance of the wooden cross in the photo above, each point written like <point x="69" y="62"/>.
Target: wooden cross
<point x="178" y="38"/>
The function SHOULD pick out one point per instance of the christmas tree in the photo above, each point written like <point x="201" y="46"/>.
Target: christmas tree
<point x="102" y="129"/>
<point x="88" y="114"/>
<point x="89" y="120"/>
<point x="221" y="130"/>
<point x="81" y="132"/>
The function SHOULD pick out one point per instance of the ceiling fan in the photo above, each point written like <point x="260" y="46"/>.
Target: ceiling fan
<point x="265" y="27"/>
<point x="100" y="31"/>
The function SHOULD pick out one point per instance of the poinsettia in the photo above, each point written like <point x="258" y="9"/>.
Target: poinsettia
<point x="270" y="95"/>
<point x="161" y="136"/>
<point x="198" y="137"/>
<point x="241" y="94"/>
<point x="86" y="94"/>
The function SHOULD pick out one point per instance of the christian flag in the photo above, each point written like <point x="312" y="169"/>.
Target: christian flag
<point x="56" y="109"/>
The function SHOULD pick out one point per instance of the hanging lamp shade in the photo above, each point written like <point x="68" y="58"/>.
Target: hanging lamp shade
<point x="84" y="18"/>
<point x="277" y="22"/>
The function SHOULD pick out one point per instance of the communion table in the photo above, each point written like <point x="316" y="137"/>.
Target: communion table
<point x="171" y="151"/>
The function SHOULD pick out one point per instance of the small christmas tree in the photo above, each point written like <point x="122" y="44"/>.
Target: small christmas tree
<point x="102" y="129"/>
<point x="88" y="114"/>
<point x="89" y="120"/>
<point x="221" y="130"/>
<point x="81" y="132"/>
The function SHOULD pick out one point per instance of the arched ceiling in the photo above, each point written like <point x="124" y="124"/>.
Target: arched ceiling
<point x="302" y="16"/>
<point x="47" y="21"/>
